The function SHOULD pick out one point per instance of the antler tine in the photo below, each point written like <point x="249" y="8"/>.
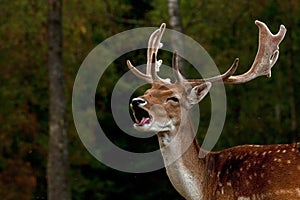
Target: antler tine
<point x="139" y="74"/>
<point x="227" y="74"/>
<point x="178" y="76"/>
<point x="153" y="46"/>
<point x="266" y="57"/>
<point x="220" y="78"/>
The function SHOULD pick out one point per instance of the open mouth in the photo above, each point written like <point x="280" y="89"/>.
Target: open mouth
<point x="141" y="116"/>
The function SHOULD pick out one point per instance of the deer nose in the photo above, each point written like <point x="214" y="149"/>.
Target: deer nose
<point x="138" y="102"/>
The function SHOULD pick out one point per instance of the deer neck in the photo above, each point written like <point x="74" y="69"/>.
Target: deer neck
<point x="180" y="152"/>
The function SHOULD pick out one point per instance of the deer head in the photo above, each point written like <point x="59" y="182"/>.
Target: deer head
<point x="163" y="106"/>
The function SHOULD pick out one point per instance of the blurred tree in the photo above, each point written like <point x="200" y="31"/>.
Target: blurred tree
<point x="57" y="167"/>
<point x="174" y="14"/>
<point x="175" y="23"/>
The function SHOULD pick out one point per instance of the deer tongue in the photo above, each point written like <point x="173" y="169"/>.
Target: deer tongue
<point x="144" y="120"/>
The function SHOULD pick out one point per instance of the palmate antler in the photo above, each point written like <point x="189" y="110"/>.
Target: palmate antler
<point x="266" y="57"/>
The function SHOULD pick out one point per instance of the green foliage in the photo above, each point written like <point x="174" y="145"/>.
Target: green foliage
<point x="259" y="112"/>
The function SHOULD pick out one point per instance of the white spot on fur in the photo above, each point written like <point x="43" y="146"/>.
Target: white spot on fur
<point x="258" y="162"/>
<point x="218" y="174"/>
<point x="247" y="182"/>
<point x="249" y="166"/>
<point x="285" y="192"/>
<point x="243" y="198"/>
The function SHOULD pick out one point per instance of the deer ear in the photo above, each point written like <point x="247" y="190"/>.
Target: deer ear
<point x="198" y="92"/>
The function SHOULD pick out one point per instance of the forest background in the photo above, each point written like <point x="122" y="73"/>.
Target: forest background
<point x="263" y="111"/>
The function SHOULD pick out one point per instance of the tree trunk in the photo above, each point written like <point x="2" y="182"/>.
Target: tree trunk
<point x="175" y="22"/>
<point x="174" y="13"/>
<point x="57" y="166"/>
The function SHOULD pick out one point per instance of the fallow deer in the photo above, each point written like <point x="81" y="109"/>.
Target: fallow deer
<point x="244" y="172"/>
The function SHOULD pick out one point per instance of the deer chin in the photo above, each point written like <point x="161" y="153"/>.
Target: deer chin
<point x="144" y="124"/>
<point x="153" y="125"/>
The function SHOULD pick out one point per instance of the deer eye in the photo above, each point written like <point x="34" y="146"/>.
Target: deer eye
<point x="173" y="99"/>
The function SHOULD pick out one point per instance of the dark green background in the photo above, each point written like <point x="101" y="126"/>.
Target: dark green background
<point x="263" y="111"/>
